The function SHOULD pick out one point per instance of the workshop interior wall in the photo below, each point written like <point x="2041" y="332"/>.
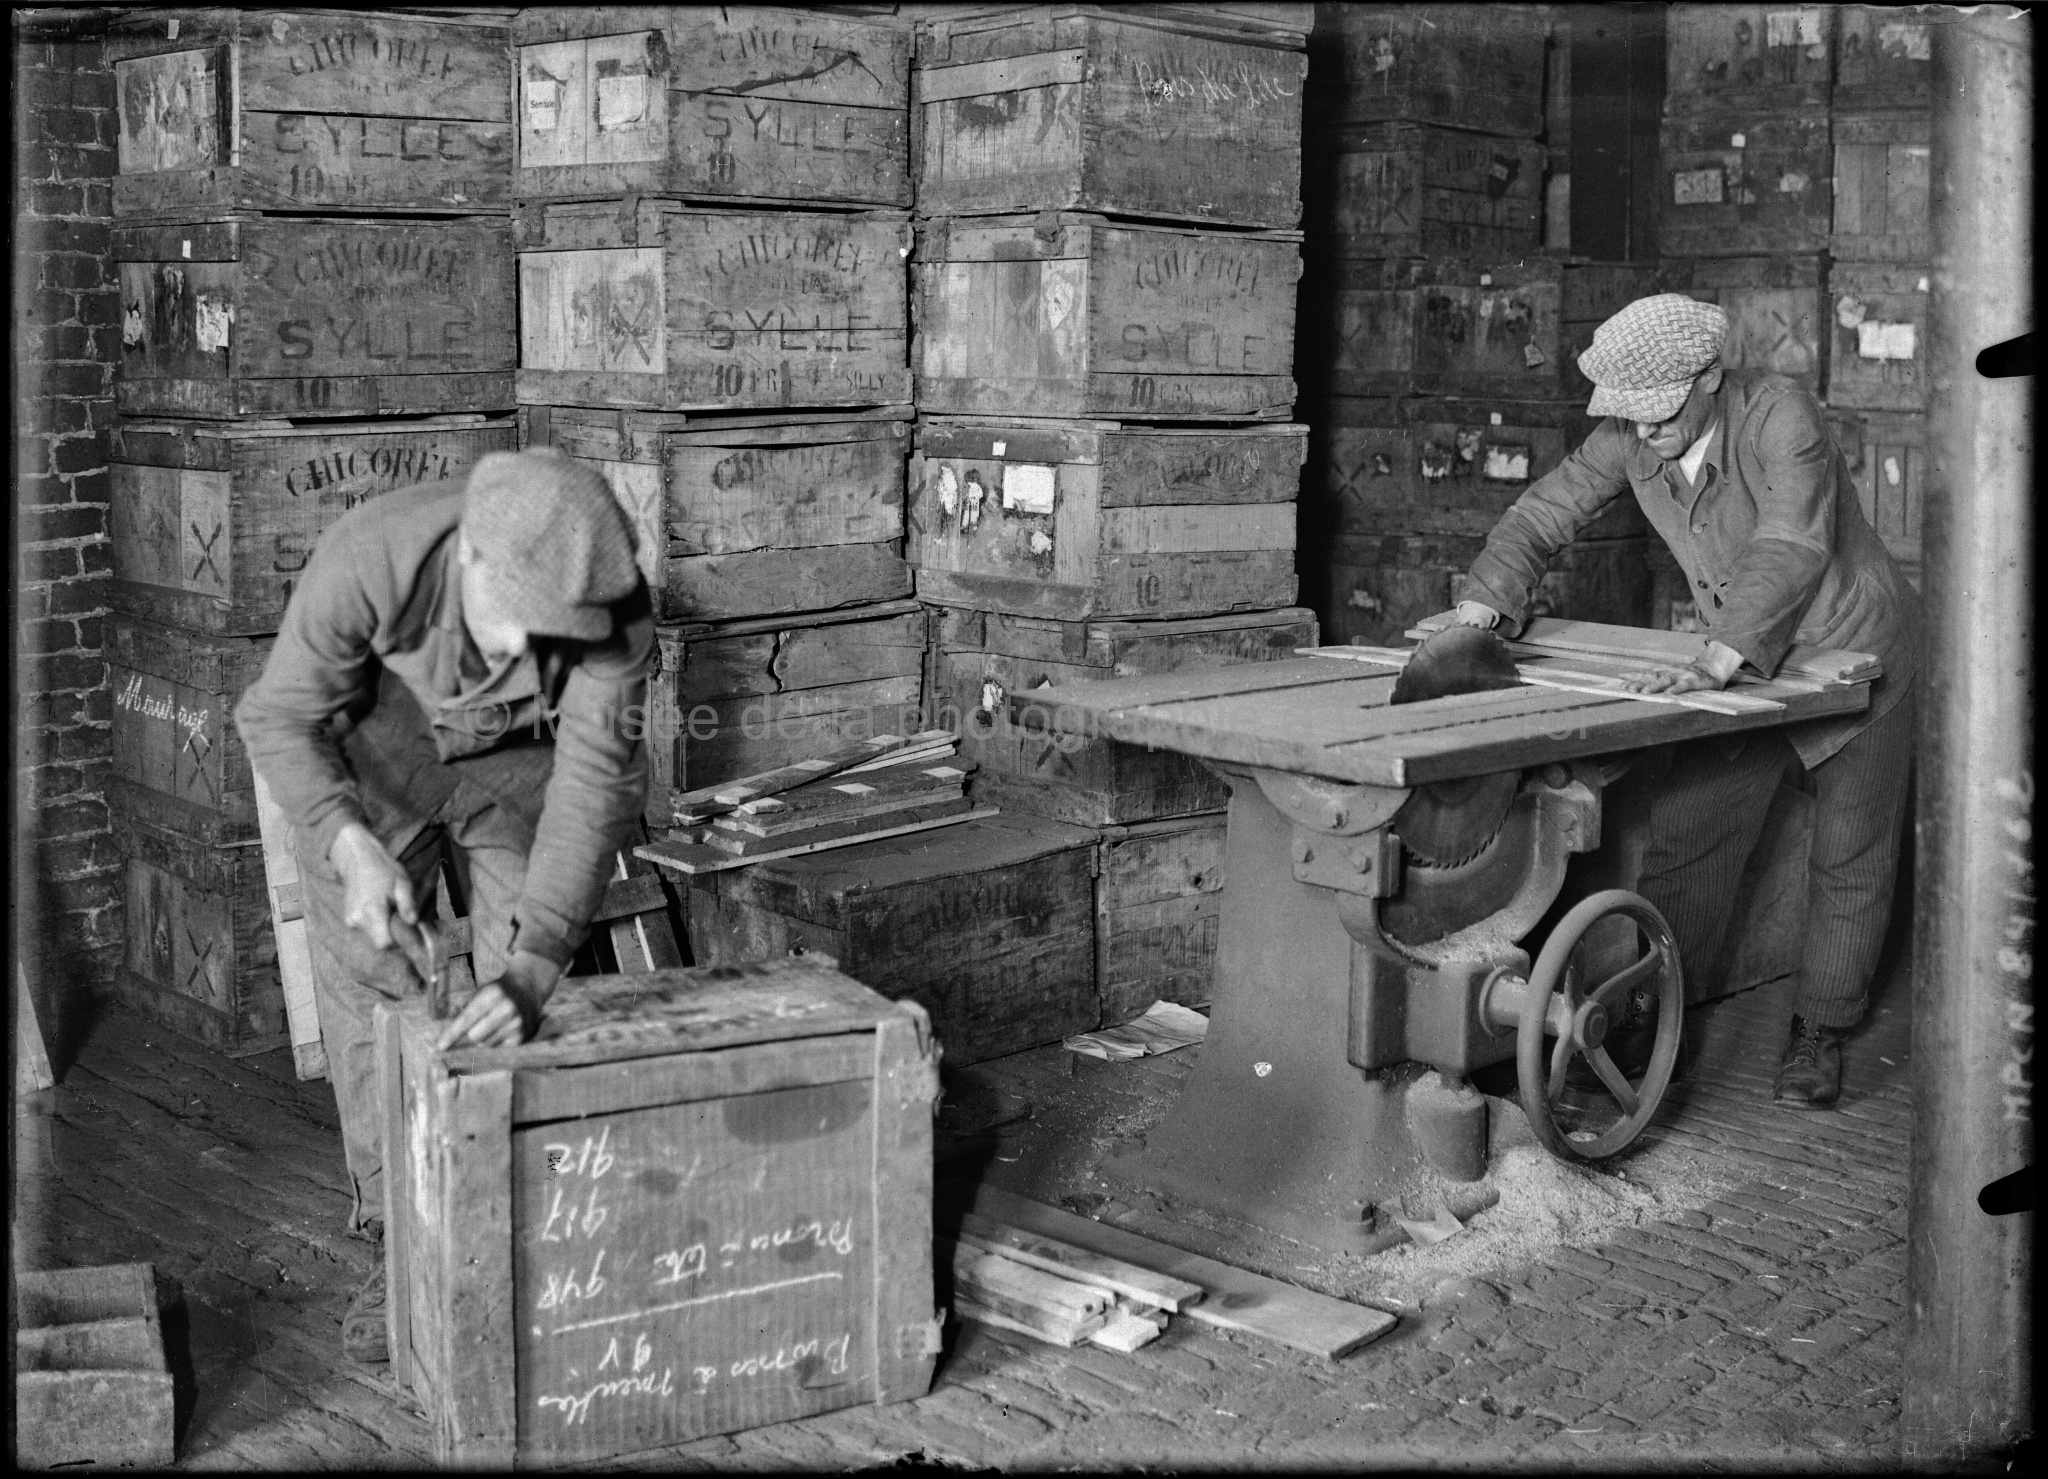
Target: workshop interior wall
<point x="67" y="907"/>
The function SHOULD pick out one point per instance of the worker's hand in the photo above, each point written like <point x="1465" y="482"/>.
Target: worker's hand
<point x="373" y="885"/>
<point x="1711" y="670"/>
<point x="1475" y="614"/>
<point x="506" y="1012"/>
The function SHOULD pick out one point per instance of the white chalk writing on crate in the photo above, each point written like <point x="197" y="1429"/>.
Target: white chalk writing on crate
<point x="574" y="1214"/>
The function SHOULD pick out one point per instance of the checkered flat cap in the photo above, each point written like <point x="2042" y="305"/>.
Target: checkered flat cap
<point x="553" y="539"/>
<point x="1643" y="361"/>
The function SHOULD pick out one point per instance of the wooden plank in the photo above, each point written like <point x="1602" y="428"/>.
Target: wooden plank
<point x="1234" y="1299"/>
<point x="32" y="1067"/>
<point x="754" y="582"/>
<point x="635" y="911"/>
<point x="614" y="1088"/>
<point x="743" y="829"/>
<point x="709" y="801"/>
<point x="906" y="1325"/>
<point x="1063" y="1334"/>
<point x="294" y="950"/>
<point x="480" y="1393"/>
<point x="731" y="840"/>
<point x="396" y="1156"/>
<point x="1078" y="1264"/>
<point x="1009" y="1285"/>
<point x="1155" y="690"/>
<point x="693" y="858"/>
<point x="1549" y="635"/>
<point x="827" y="795"/>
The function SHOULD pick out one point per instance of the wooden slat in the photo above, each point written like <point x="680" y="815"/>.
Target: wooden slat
<point x="288" y="923"/>
<point x="688" y="857"/>
<point x="475" y="1244"/>
<point x="758" y="1068"/>
<point x="1823" y="664"/>
<point x="1079" y="1264"/>
<point x="1234" y="1298"/>
<point x="398" y="1190"/>
<point x="906" y="1326"/>
<point x="1169" y="688"/>
<point x="709" y="801"/>
<point x="747" y="831"/>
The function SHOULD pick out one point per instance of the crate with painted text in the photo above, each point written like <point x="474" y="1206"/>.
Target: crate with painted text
<point x="698" y="1201"/>
<point x="988" y="925"/>
<point x="1158" y="900"/>
<point x="199" y="954"/>
<point x="1742" y="184"/>
<point x="1722" y="57"/>
<point x="1426" y="465"/>
<point x="1881" y="187"/>
<point x="309" y="110"/>
<point x="175" y="744"/>
<point x="1877" y="344"/>
<point x="738" y="698"/>
<point x="655" y="305"/>
<point x="767" y="104"/>
<point x="1417" y="190"/>
<point x="1884" y="56"/>
<point x="1886" y="452"/>
<point x="1463" y="66"/>
<point x="745" y="516"/>
<point x="1085" y="107"/>
<point x="1776" y="316"/>
<point x="298" y="316"/>
<point x="1062" y="314"/>
<point x="1069" y="520"/>
<point x="212" y="523"/>
<point x="1447" y="327"/>
<point x="980" y="658"/>
<point x="1382" y="585"/>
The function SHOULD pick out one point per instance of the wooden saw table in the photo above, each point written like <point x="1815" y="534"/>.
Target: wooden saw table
<point x="1344" y="972"/>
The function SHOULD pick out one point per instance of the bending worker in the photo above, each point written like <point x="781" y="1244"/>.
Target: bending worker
<point x="450" y="681"/>
<point x="1736" y="470"/>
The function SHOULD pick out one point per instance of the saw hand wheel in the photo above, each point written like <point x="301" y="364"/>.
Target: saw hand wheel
<point x="1554" y="1006"/>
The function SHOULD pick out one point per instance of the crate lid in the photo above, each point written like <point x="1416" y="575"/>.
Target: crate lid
<point x="604" y="1019"/>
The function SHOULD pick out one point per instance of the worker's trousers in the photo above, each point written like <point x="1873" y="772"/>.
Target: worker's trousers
<point x="487" y="847"/>
<point x="1706" y="813"/>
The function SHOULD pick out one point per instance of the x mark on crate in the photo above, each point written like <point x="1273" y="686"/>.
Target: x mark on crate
<point x="206" y="544"/>
<point x="203" y="954"/>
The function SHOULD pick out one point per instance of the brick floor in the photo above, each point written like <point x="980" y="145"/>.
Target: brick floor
<point x="1758" y="1327"/>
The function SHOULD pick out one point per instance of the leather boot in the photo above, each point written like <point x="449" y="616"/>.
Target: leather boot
<point x="1810" y="1074"/>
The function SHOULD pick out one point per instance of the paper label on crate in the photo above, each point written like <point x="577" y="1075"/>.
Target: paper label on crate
<point x="1698" y="187"/>
<point x="621" y="100"/>
<point x="1029" y="488"/>
<point x="1792" y="27"/>
<point x="1892" y="475"/>
<point x="543" y="104"/>
<point x="1849" y="310"/>
<point x="1876" y="339"/>
<point x="1507" y="464"/>
<point x="1902" y="38"/>
<point x="211" y="321"/>
<point x="1792" y="183"/>
<point x="1057" y="294"/>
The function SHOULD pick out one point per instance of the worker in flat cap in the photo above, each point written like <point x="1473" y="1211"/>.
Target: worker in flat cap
<point x="1736" y="470"/>
<point x="451" y="682"/>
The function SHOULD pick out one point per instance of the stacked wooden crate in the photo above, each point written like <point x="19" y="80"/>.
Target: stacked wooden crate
<point x="1106" y="474"/>
<point x="1446" y="385"/>
<point x="315" y="260"/>
<point x="712" y="236"/>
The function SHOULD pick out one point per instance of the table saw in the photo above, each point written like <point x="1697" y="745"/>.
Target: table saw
<point x="1386" y="865"/>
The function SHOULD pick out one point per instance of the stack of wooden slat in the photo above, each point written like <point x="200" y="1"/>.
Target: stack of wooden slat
<point x="1013" y="1279"/>
<point x="315" y="262"/>
<point x="1105" y="478"/>
<point x="712" y="242"/>
<point x="1444" y="375"/>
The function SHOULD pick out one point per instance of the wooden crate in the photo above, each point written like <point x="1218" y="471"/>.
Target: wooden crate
<point x="1776" y="313"/>
<point x="1416" y="190"/>
<point x="1738" y="184"/>
<point x="1158" y="895"/>
<point x="551" y="1296"/>
<point x="988" y="925"/>
<point x="737" y="698"/>
<point x="1464" y="66"/>
<point x="660" y="306"/>
<point x="91" y="1384"/>
<point x="767" y="104"/>
<point x="979" y="658"/>
<point x="1422" y="465"/>
<point x="1881" y="187"/>
<point x="1886" y="452"/>
<point x="1082" y="107"/>
<point x="309" y="110"/>
<point x="750" y="515"/>
<point x="1884" y="56"/>
<point x="1447" y="327"/>
<point x="1381" y="586"/>
<point x="1070" y="315"/>
<point x="1071" y="520"/>
<point x="200" y="956"/>
<point x="1877" y="343"/>
<point x="212" y="523"/>
<point x="302" y="316"/>
<point x="1770" y="57"/>
<point x="173" y="739"/>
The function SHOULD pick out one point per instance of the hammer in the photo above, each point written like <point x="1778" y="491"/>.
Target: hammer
<point x="423" y="950"/>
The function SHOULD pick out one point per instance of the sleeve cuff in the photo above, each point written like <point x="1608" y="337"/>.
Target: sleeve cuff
<point x="536" y="940"/>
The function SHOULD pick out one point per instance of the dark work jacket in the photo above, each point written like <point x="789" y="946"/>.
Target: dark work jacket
<point x="371" y="709"/>
<point x="1772" y="540"/>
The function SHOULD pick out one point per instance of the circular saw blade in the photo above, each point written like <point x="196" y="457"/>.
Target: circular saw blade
<point x="1446" y="823"/>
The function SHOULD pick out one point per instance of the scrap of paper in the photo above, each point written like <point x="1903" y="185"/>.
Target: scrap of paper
<point x="1165" y="1026"/>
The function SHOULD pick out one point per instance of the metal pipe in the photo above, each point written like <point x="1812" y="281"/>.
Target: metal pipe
<point x="1969" y="1330"/>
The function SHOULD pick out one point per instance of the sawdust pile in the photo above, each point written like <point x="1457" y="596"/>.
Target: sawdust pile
<point x="1545" y="1203"/>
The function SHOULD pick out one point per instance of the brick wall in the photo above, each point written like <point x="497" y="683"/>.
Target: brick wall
<point x="66" y="312"/>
